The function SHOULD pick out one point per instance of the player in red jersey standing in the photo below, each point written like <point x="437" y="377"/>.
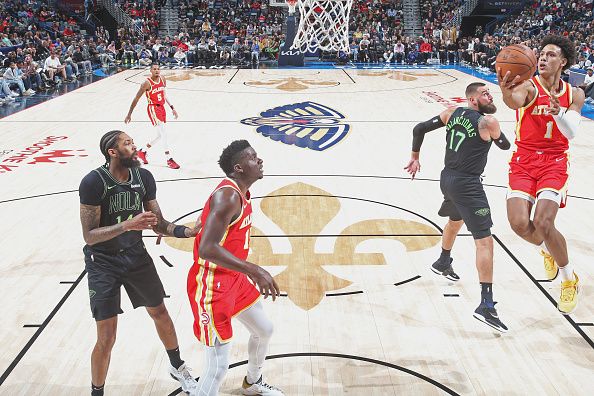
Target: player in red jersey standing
<point x="548" y="115"/>
<point x="154" y="90"/>
<point x="218" y="285"/>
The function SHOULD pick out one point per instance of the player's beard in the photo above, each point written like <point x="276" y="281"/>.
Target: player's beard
<point x="129" y="162"/>
<point x="487" y="108"/>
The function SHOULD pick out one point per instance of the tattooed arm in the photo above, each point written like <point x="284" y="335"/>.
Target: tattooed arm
<point x="165" y="227"/>
<point x="93" y="234"/>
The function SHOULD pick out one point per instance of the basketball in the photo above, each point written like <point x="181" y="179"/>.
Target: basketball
<point x="518" y="59"/>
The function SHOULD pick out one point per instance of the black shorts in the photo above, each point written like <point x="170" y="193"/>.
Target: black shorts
<point x="133" y="268"/>
<point x="464" y="199"/>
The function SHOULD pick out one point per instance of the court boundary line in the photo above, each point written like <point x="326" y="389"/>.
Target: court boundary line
<point x="40" y="329"/>
<point x="280" y="175"/>
<point x="69" y="292"/>
<point x="350" y="357"/>
<point x="543" y="291"/>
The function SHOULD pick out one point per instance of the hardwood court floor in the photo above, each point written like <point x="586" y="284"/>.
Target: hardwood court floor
<point x="349" y="237"/>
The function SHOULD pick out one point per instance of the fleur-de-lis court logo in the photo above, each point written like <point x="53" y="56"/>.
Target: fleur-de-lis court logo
<point x="307" y="125"/>
<point x="291" y="84"/>
<point x="397" y="75"/>
<point x="304" y="279"/>
<point x="190" y="74"/>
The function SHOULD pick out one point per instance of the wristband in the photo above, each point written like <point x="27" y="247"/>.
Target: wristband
<point x="180" y="231"/>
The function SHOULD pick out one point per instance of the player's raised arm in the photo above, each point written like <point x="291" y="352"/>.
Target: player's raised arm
<point x="419" y="132"/>
<point x="516" y="93"/>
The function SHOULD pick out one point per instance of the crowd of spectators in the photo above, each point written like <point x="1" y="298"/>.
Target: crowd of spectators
<point x="243" y="32"/>
<point x="145" y="16"/>
<point x="40" y="48"/>
<point x="213" y="32"/>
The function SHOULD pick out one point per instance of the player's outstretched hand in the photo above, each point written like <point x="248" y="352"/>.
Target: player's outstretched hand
<point x="142" y="221"/>
<point x="506" y="82"/>
<point x="175" y="115"/>
<point x="554" y="106"/>
<point x="265" y="282"/>
<point x="127" y="119"/>
<point x="413" y="167"/>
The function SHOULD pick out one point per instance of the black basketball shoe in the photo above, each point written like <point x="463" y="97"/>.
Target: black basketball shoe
<point x="444" y="267"/>
<point x="489" y="316"/>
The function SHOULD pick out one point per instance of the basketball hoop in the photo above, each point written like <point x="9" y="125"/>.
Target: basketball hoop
<point x="323" y="24"/>
<point x="292" y="5"/>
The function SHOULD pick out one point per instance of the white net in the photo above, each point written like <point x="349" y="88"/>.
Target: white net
<point x="324" y="25"/>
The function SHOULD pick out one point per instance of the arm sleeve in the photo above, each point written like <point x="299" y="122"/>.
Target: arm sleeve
<point x="502" y="142"/>
<point x="422" y="128"/>
<point x="568" y="123"/>
<point x="149" y="184"/>
<point x="91" y="189"/>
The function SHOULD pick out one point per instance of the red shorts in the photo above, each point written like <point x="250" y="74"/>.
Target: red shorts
<point x="156" y="114"/>
<point x="531" y="173"/>
<point x="215" y="297"/>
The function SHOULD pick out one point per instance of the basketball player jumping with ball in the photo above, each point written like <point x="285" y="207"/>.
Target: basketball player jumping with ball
<point x="548" y="116"/>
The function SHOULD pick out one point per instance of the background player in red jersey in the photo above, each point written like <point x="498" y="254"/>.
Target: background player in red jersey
<point x="154" y="90"/>
<point x="548" y="115"/>
<point x="218" y="285"/>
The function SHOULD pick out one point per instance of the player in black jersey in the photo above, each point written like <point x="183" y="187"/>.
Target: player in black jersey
<point x="112" y="200"/>
<point x="469" y="133"/>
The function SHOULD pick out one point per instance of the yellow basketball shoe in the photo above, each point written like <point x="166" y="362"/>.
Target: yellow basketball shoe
<point x="551" y="268"/>
<point x="569" y="295"/>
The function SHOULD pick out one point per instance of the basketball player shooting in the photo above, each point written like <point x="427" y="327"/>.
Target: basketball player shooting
<point x="548" y="114"/>
<point x="154" y="90"/>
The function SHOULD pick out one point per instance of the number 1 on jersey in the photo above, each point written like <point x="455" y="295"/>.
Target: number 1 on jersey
<point x="549" y="133"/>
<point x="246" y="245"/>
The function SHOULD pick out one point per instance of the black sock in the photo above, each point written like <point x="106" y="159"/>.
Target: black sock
<point x="174" y="357"/>
<point x="445" y="254"/>
<point x="487" y="294"/>
<point x="97" y="390"/>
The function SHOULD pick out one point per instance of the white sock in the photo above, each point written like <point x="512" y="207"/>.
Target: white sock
<point x="543" y="247"/>
<point x="566" y="272"/>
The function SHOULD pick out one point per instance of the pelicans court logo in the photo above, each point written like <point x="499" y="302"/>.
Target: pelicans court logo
<point x="304" y="278"/>
<point x="306" y="125"/>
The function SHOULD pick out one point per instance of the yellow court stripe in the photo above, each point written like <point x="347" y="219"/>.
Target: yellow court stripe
<point x="304" y="132"/>
<point x="313" y="110"/>
<point x="292" y="130"/>
<point x="319" y="134"/>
